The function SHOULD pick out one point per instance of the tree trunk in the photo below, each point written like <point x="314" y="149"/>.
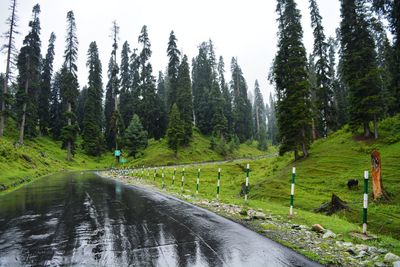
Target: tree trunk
<point x="22" y="129"/>
<point x="314" y="130"/>
<point x="296" y="154"/>
<point x="5" y="88"/>
<point x="375" y="127"/>
<point x="303" y="144"/>
<point x="367" y="130"/>
<point x="69" y="145"/>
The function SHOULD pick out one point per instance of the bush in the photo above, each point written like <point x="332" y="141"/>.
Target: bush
<point x="390" y="129"/>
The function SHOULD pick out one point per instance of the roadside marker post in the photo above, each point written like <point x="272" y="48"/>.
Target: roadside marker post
<point x="219" y="182"/>
<point x="365" y="203"/>
<point x="173" y="177"/>
<point x="198" y="181"/>
<point x="155" y="174"/>
<point x="183" y="179"/>
<point x="247" y="181"/>
<point x="148" y="172"/>
<point x="143" y="171"/>
<point x="162" y="178"/>
<point x="292" y="192"/>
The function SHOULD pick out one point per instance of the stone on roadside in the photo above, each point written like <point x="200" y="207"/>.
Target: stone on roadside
<point x="396" y="264"/>
<point x="329" y="234"/>
<point x="379" y="264"/>
<point x="362" y="247"/>
<point x="390" y="257"/>
<point x="318" y="228"/>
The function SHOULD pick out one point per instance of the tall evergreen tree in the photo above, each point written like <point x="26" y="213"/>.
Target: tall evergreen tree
<point x="289" y="75"/>
<point x="151" y="112"/>
<point x="241" y="103"/>
<point x="135" y="137"/>
<point x="359" y="67"/>
<point x="93" y="141"/>
<point x="339" y="90"/>
<point x="56" y="109"/>
<point x="69" y="87"/>
<point x="125" y="103"/>
<point x="324" y="92"/>
<point x="175" y="132"/>
<point x="80" y="107"/>
<point x="173" y="68"/>
<point x="391" y="10"/>
<point x="114" y="122"/>
<point x="272" y="121"/>
<point x="45" y="88"/>
<point x="10" y="47"/>
<point x="184" y="99"/>
<point x="259" y="114"/>
<point x="29" y="64"/>
<point x="227" y="106"/>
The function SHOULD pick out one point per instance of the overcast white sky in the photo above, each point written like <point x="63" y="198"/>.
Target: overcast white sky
<point x="243" y="29"/>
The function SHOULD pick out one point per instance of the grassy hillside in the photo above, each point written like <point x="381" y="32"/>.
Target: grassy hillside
<point x="42" y="155"/>
<point x="158" y="153"/>
<point x="38" y="157"/>
<point x="331" y="163"/>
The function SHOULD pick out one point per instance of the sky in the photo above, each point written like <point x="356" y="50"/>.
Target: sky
<point x="243" y="29"/>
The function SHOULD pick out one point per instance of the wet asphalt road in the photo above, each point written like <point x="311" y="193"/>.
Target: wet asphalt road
<point x="80" y="219"/>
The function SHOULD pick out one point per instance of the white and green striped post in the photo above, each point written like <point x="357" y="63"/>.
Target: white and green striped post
<point x="198" y="181"/>
<point x="183" y="179"/>
<point x="247" y="181"/>
<point x="292" y="192"/>
<point x="365" y="202"/>
<point x="155" y="174"/>
<point x="218" y="182"/>
<point x="162" y="178"/>
<point x="173" y="177"/>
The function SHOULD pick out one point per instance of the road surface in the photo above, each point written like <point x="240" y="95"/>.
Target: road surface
<point x="82" y="219"/>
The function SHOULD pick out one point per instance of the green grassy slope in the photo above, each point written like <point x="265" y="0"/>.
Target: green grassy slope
<point x="38" y="157"/>
<point x="158" y="153"/>
<point x="331" y="163"/>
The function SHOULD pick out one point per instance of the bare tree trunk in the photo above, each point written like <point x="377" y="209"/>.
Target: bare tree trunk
<point x="296" y="154"/>
<point x="5" y="87"/>
<point x="375" y="127"/>
<point x="303" y="144"/>
<point x="69" y="145"/>
<point x="367" y="130"/>
<point x="22" y="129"/>
<point x="314" y="130"/>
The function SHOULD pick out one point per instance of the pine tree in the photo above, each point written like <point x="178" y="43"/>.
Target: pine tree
<point x="184" y="99"/>
<point x="241" y="103"/>
<point x="323" y="91"/>
<point x="259" y="115"/>
<point x="272" y="122"/>
<point x="45" y="90"/>
<point x="207" y="98"/>
<point x="339" y="89"/>
<point x="291" y="82"/>
<point x="135" y="137"/>
<point x="29" y="62"/>
<point x="125" y="104"/>
<point x="114" y="121"/>
<point x="56" y="123"/>
<point x="359" y="67"/>
<point x="226" y="94"/>
<point x="80" y="107"/>
<point x="69" y="87"/>
<point x="151" y="112"/>
<point x="175" y="132"/>
<point x="10" y="47"/>
<point x="173" y="68"/>
<point x="391" y="10"/>
<point x="93" y="141"/>
<point x="161" y="89"/>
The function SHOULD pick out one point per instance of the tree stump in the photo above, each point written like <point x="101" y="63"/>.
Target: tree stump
<point x="333" y="206"/>
<point x="377" y="187"/>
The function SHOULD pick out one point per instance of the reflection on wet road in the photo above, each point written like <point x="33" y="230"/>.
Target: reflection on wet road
<point x="84" y="220"/>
